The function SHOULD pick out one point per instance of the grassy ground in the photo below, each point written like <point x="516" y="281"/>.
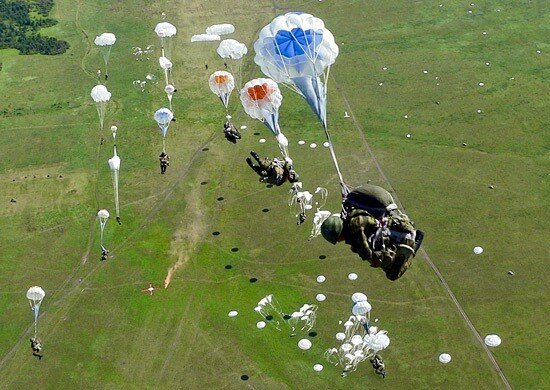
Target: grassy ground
<point x="99" y="331"/>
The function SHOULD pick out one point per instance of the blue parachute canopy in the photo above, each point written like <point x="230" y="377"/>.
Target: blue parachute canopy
<point x="297" y="42"/>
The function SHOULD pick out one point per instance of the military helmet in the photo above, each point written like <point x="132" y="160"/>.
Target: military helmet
<point x="332" y="228"/>
<point x="374" y="199"/>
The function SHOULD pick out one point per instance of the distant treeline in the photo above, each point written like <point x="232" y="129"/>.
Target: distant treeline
<point x="20" y="21"/>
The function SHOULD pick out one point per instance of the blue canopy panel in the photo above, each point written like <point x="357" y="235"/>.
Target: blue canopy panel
<point x="297" y="42"/>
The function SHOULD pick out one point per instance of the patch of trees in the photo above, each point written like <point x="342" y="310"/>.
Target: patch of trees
<point x="20" y="21"/>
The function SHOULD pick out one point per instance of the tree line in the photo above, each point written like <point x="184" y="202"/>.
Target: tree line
<point x="20" y="21"/>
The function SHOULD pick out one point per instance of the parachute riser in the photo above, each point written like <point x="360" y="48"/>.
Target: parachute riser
<point x="114" y="175"/>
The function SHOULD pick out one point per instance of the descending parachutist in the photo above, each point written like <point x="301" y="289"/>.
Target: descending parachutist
<point x="164" y="162"/>
<point x="36" y="347"/>
<point x="378" y="365"/>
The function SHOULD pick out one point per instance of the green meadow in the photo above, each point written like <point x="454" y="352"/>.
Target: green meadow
<point x="473" y="172"/>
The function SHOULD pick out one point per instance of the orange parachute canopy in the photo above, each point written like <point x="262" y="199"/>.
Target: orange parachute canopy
<point x="258" y="92"/>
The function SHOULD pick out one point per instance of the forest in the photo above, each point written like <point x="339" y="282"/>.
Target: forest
<point x="20" y="22"/>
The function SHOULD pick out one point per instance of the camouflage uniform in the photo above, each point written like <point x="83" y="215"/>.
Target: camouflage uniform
<point x="271" y="171"/>
<point x="392" y="252"/>
<point x="402" y="236"/>
<point x="231" y="133"/>
<point x="378" y="365"/>
<point x="359" y="226"/>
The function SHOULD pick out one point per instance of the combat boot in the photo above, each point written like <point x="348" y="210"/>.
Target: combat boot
<point x="401" y="262"/>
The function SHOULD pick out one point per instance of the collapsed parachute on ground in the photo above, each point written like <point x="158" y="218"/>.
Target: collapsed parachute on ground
<point x="105" y="41"/>
<point x="163" y="116"/>
<point x="205" y="38"/>
<point x="101" y="97"/>
<point x="444" y="358"/>
<point x="261" y="99"/>
<point x="492" y="340"/>
<point x="269" y="309"/>
<point x="35" y="295"/>
<point x="220" y="29"/>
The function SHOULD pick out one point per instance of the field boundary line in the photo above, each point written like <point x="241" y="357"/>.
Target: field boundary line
<point x="425" y="255"/>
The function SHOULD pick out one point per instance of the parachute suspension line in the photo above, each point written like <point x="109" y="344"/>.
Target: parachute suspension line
<point x="115" y="185"/>
<point x="163" y="145"/>
<point x="35" y="309"/>
<point x="166" y="76"/>
<point x="343" y="187"/>
<point x="106" y="53"/>
<point x="101" y="227"/>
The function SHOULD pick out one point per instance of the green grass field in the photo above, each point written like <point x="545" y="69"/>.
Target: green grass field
<point x="100" y="331"/>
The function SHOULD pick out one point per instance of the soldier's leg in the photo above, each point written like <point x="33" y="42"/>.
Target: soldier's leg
<point x="255" y="155"/>
<point x="249" y="162"/>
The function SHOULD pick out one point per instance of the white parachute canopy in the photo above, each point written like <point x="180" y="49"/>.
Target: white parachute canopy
<point x="165" y="63"/>
<point x="114" y="130"/>
<point x="261" y="99"/>
<point x="166" y="66"/>
<point x="205" y="38"/>
<point x="170" y="89"/>
<point x="232" y="49"/>
<point x="361" y="308"/>
<point x="165" y="30"/>
<point x="163" y="116"/>
<point x="100" y="94"/>
<point x="105" y="41"/>
<point x="35" y="295"/>
<point x="222" y="84"/>
<point x="358" y="297"/>
<point x="103" y="216"/>
<point x="101" y="97"/>
<point x="220" y="29"/>
<point x="296" y="49"/>
<point x="114" y="165"/>
<point x="377" y="341"/>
